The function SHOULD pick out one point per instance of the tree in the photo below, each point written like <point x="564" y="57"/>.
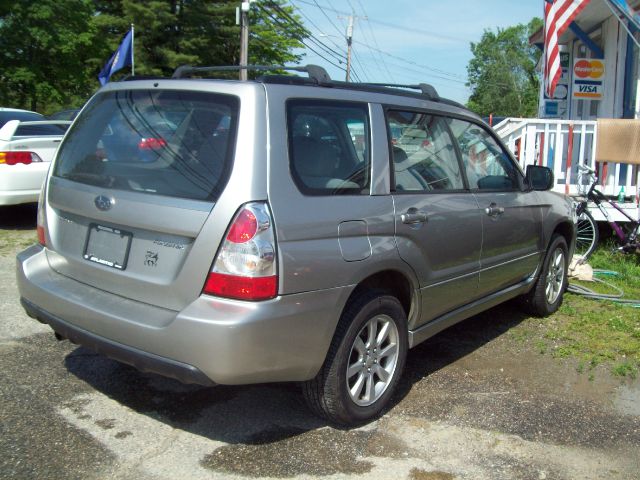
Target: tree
<point x="502" y="74"/>
<point x="170" y="33"/>
<point x="52" y="50"/>
<point x="43" y="49"/>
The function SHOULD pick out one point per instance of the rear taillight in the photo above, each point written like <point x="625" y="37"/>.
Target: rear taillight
<point x="152" y="143"/>
<point x="245" y="266"/>
<point x="40" y="222"/>
<point x="13" y="158"/>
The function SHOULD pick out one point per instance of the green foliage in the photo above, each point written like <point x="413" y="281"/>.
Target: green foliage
<point x="594" y="332"/>
<point x="52" y="50"/>
<point x="43" y="49"/>
<point x="502" y="74"/>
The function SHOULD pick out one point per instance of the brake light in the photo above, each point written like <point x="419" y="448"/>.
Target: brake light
<point x="245" y="266"/>
<point x="152" y="143"/>
<point x="13" y="158"/>
<point x="244" y="228"/>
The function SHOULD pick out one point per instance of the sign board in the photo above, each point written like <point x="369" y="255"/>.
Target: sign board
<point x="555" y="108"/>
<point x="588" y="79"/>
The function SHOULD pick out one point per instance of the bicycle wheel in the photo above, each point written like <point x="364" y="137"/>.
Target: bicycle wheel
<point x="586" y="235"/>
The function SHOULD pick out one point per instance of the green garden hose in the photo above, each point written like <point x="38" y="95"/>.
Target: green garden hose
<point x="615" y="297"/>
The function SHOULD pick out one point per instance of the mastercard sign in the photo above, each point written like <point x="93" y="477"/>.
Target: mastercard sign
<point x="588" y="78"/>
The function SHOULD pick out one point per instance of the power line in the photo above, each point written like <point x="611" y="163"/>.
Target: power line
<point x="337" y="56"/>
<point x="391" y="25"/>
<point x="316" y="26"/>
<point x="375" y="42"/>
<point x="360" y="65"/>
<point x="328" y="18"/>
<point x="441" y="73"/>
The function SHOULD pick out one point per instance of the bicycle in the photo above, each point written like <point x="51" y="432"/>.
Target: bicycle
<point x="587" y="229"/>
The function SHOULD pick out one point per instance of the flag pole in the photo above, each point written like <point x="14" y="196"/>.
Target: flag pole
<point x="133" y="69"/>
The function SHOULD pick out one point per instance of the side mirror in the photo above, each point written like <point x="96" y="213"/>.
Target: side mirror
<point x="539" y="178"/>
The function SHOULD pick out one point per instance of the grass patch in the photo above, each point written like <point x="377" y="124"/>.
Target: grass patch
<point x="12" y="241"/>
<point x="599" y="332"/>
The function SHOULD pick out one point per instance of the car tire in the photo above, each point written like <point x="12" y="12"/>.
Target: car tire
<point x="547" y="293"/>
<point x="364" y="362"/>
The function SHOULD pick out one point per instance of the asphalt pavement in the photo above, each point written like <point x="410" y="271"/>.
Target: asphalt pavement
<point x="473" y="404"/>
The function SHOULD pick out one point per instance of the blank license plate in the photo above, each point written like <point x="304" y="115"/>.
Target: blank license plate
<point x="108" y="246"/>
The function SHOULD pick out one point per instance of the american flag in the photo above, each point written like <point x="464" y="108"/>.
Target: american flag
<point x="558" y="14"/>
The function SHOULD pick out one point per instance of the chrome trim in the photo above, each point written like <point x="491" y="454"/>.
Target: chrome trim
<point x="508" y="262"/>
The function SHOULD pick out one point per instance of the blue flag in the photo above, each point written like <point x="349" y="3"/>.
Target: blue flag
<point x="121" y="58"/>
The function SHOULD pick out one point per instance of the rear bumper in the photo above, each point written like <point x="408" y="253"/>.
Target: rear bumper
<point x="143" y="361"/>
<point x="211" y="341"/>
<point x="21" y="183"/>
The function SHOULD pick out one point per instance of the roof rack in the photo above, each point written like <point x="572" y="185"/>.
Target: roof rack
<point x="427" y="90"/>
<point x="315" y="72"/>
<point x="319" y="76"/>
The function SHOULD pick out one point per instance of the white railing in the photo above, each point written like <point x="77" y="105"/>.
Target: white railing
<point x="564" y="144"/>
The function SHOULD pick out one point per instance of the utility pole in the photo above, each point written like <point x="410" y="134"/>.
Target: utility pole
<point x="349" y="37"/>
<point x="242" y="18"/>
<point x="349" y="41"/>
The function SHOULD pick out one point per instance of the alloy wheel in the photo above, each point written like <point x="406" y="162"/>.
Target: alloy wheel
<point x="555" y="276"/>
<point x="372" y="360"/>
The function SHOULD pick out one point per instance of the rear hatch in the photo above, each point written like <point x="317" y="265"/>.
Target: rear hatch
<point x="132" y="186"/>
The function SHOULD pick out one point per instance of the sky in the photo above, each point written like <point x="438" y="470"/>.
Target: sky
<point x="406" y="41"/>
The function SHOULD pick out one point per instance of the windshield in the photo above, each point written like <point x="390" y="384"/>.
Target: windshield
<point x="173" y="143"/>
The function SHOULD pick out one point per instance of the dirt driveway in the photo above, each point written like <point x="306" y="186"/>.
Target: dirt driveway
<point x="474" y="404"/>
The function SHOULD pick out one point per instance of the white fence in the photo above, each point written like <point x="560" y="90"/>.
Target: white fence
<point x="562" y="145"/>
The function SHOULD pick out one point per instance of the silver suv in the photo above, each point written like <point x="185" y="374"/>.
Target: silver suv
<point x="225" y="232"/>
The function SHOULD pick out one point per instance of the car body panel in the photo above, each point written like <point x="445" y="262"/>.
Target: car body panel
<point x="231" y="342"/>
<point x="511" y="246"/>
<point x="21" y="183"/>
<point x="328" y="247"/>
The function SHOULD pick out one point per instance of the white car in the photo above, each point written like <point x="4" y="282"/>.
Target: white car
<point x="26" y="151"/>
<point x="7" y="114"/>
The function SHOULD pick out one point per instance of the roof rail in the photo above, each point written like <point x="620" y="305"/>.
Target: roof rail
<point x="427" y="90"/>
<point x="315" y="72"/>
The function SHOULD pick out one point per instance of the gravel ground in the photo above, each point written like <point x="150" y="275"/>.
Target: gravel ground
<point x="473" y="404"/>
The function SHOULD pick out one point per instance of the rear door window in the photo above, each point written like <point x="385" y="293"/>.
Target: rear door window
<point x="329" y="147"/>
<point x="171" y="143"/>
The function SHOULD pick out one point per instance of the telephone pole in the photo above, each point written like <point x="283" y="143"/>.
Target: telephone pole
<point x="242" y="18"/>
<point x="349" y="41"/>
<point x="349" y="37"/>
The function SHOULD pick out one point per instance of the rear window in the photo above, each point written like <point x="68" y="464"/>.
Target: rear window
<point x="22" y="116"/>
<point x="171" y="143"/>
<point x="43" y="130"/>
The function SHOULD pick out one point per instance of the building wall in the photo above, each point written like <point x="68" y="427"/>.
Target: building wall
<point x="611" y="36"/>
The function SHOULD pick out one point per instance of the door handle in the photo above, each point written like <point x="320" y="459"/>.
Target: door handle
<point x="412" y="217"/>
<point x="494" y="210"/>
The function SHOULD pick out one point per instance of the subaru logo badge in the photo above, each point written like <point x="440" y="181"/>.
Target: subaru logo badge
<point x="103" y="202"/>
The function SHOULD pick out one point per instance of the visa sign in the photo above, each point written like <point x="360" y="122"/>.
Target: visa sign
<point x="588" y="79"/>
